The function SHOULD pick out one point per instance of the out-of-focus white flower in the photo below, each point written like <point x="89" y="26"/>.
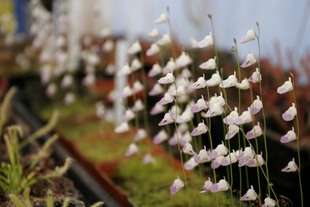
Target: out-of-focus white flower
<point x="135" y="48"/>
<point x="155" y="70"/>
<point x="148" y="159"/>
<point x="256" y="76"/>
<point x="291" y="167"/>
<point x="203" y="156"/>
<point x="161" y="19"/>
<point x="249" y="60"/>
<point x="153" y="50"/>
<point x="168" y="98"/>
<point x="126" y="92"/>
<point x="89" y="79"/>
<point x="245" y="156"/>
<point x="167" y="79"/>
<point x="135" y="65"/>
<point x="215" y="80"/>
<point x="137" y="86"/>
<point x="269" y="202"/>
<point x="164" y="40"/>
<point x="231" y="81"/>
<point x="206" y="42"/>
<point x="108" y="46"/>
<point x="51" y="89"/>
<point x="129" y="115"/>
<point x="229" y="159"/>
<point x="124" y="71"/>
<point x="257" y="160"/>
<point x="215" y="109"/>
<point x="289" y="136"/>
<point x="250" y="36"/>
<point x="100" y="110"/>
<point x="66" y="81"/>
<point x="156" y="90"/>
<point x="286" y="87"/>
<point x="141" y="134"/>
<point x="131" y="150"/>
<point x="216" y="163"/>
<point x="244" y="118"/>
<point x="69" y="98"/>
<point x="186" y="116"/>
<point x="153" y="33"/>
<point x="209" y="65"/>
<point x="157" y="109"/>
<point x="170" y="66"/>
<point x="183" y="60"/>
<point x="200" y="105"/>
<point x="138" y="106"/>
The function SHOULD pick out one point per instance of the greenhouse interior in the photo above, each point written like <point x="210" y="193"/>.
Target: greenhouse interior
<point x="146" y="103"/>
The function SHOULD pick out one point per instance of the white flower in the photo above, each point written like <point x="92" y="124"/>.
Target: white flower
<point x="229" y="82"/>
<point x="183" y="60"/>
<point x="244" y="118"/>
<point x="131" y="150"/>
<point x="138" y="106"/>
<point x="137" y="87"/>
<point x="222" y="185"/>
<point x="232" y="117"/>
<point x="160" y="137"/>
<point x="66" y="81"/>
<point x="170" y="66"/>
<point x="255" y="132"/>
<point x="51" y="89"/>
<point x="126" y="92"/>
<point x="153" y="33"/>
<point x="69" y="98"/>
<point x="148" y="159"/>
<point x="157" y="109"/>
<point x="286" y="87"/>
<point x="202" y="128"/>
<point x="269" y="202"/>
<point x="289" y="136"/>
<point x="207" y="186"/>
<point x="229" y="159"/>
<point x="108" y="46"/>
<point x="164" y="40"/>
<point x="176" y="186"/>
<point x="166" y="120"/>
<point x="256" y="106"/>
<point x="244" y="85"/>
<point x="232" y="131"/>
<point x="203" y="156"/>
<point x="256" y="76"/>
<point x="220" y="149"/>
<point x="168" y="98"/>
<point x="169" y="78"/>
<point x="124" y="71"/>
<point x="135" y="64"/>
<point x="200" y="83"/>
<point x="206" y="42"/>
<point x="135" y="48"/>
<point x="156" y="90"/>
<point x="155" y="70"/>
<point x="250" y="195"/>
<point x="245" y="156"/>
<point x="129" y="115"/>
<point x="216" y="163"/>
<point x="200" y="105"/>
<point x="188" y="149"/>
<point x="161" y="19"/>
<point x="250" y="60"/>
<point x="216" y="109"/>
<point x="215" y="80"/>
<point x="209" y="65"/>
<point x="123" y="127"/>
<point x="153" y="50"/>
<point x="250" y="35"/>
<point x="141" y="134"/>
<point x="257" y="160"/>
<point x="291" y="167"/>
<point x="186" y="116"/>
<point x="290" y="113"/>
<point x="190" y="164"/>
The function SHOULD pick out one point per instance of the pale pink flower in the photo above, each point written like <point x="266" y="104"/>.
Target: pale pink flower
<point x="209" y="65"/>
<point x="123" y="127"/>
<point x="155" y="70"/>
<point x="255" y="132"/>
<point x="66" y="81"/>
<point x="138" y="106"/>
<point x="164" y="40"/>
<point x="190" y="164"/>
<point x="167" y="79"/>
<point x="194" y="43"/>
<point x="148" y="159"/>
<point x="220" y="150"/>
<point x="215" y="80"/>
<point x="166" y="120"/>
<point x="250" y="195"/>
<point x="160" y="137"/>
<point x="131" y="150"/>
<point x="244" y="118"/>
<point x="183" y="60"/>
<point x="231" y="81"/>
<point x="217" y="100"/>
<point x="69" y="98"/>
<point x="200" y="83"/>
<point x="176" y="186"/>
<point x="153" y="50"/>
<point x="215" y="110"/>
<point x="232" y="131"/>
<point x="188" y="149"/>
<point x="108" y="46"/>
<point x="289" y="136"/>
<point x="141" y="134"/>
<point x="128" y="116"/>
<point x="202" y="128"/>
<point x="250" y="60"/>
<point x="256" y="106"/>
<point x="206" y="42"/>
<point x="245" y="156"/>
<point x="89" y="79"/>
<point x="290" y="113"/>
<point x="269" y="202"/>
<point x="175" y="111"/>
<point x="256" y="76"/>
<point x="222" y="185"/>
<point x="291" y="167"/>
<point x="135" y="48"/>
<point x="168" y="98"/>
<point x="161" y="19"/>
<point x="203" y="156"/>
<point x="156" y="90"/>
<point x="51" y="89"/>
<point x="135" y="65"/>
<point x="216" y="163"/>
<point x="207" y="186"/>
<point x="179" y="91"/>
<point x="157" y="109"/>
<point x="244" y="85"/>
<point x="170" y="66"/>
<point x="286" y="87"/>
<point x="186" y="116"/>
<point x="250" y="36"/>
<point x="200" y="105"/>
<point x="137" y="87"/>
<point x="100" y="110"/>
<point x="257" y="160"/>
<point x="232" y="117"/>
<point x="229" y="159"/>
<point x="153" y="33"/>
<point x="186" y="73"/>
<point x="124" y="71"/>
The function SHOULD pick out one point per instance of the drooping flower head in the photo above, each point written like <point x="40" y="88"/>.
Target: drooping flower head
<point x="177" y="185"/>
<point x="250" y="60"/>
<point x="209" y="65"/>
<point x="250" y="195"/>
<point x="200" y="129"/>
<point x="250" y="36"/>
<point x="255" y="132"/>
<point x="291" y="167"/>
<point x="256" y="106"/>
<point x="131" y="150"/>
<point x="286" y="87"/>
<point x="269" y="202"/>
<point x="290" y="113"/>
<point x="222" y="185"/>
<point x="206" y="42"/>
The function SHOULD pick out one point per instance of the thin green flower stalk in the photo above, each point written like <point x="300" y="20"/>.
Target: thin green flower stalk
<point x="4" y="108"/>
<point x="298" y="146"/>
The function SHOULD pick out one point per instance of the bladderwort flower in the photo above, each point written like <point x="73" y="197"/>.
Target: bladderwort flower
<point x="256" y="106"/>
<point x="202" y="156"/>
<point x="244" y="156"/>
<point x="148" y="159"/>
<point x="126" y="92"/>
<point x="250" y="195"/>
<point x="257" y="160"/>
<point x="183" y="60"/>
<point x="138" y="106"/>
<point x="289" y="136"/>
<point x="255" y="132"/>
<point x="153" y="33"/>
<point x="231" y="81"/>
<point x="222" y="185"/>
<point x="232" y="117"/>
<point x="249" y="60"/>
<point x="131" y="150"/>
<point x="206" y="42"/>
<point x="209" y="64"/>
<point x="134" y="48"/>
<point x="175" y="111"/>
<point x="167" y="79"/>
<point x="51" y="89"/>
<point x="202" y="128"/>
<point x="161" y="19"/>
<point x="135" y="65"/>
<point x="66" y="81"/>
<point x="200" y="83"/>
<point x="124" y="71"/>
<point x="108" y="46"/>
<point x="243" y="85"/>
<point x="164" y="40"/>
<point x="220" y="149"/>
<point x="179" y="91"/>
<point x="122" y="128"/>
<point x="232" y="131"/>
<point x="256" y="77"/>
<point x="200" y="105"/>
<point x="190" y="164"/>
<point x="170" y="66"/>
<point x="168" y="98"/>
<point x="160" y="137"/>
<point x="207" y="186"/>
<point x="269" y="202"/>
<point x="166" y="120"/>
<point x="137" y="87"/>
<point x="179" y="138"/>
<point x="153" y="50"/>
<point x="157" y="89"/>
<point x="291" y="167"/>
<point x="157" y="109"/>
<point x="188" y="149"/>
<point x="229" y="159"/>
<point x="186" y="73"/>
<point x="290" y="113"/>
<point x="69" y="98"/>
<point x="216" y="163"/>
<point x="215" y="109"/>
<point x="177" y="185"/>
<point x="244" y="118"/>
<point x="155" y="70"/>
<point x="215" y="80"/>
<point x="194" y="43"/>
<point x="141" y="134"/>
<point x="286" y="87"/>
<point x="128" y="116"/>
<point x="186" y="116"/>
<point x="250" y="36"/>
